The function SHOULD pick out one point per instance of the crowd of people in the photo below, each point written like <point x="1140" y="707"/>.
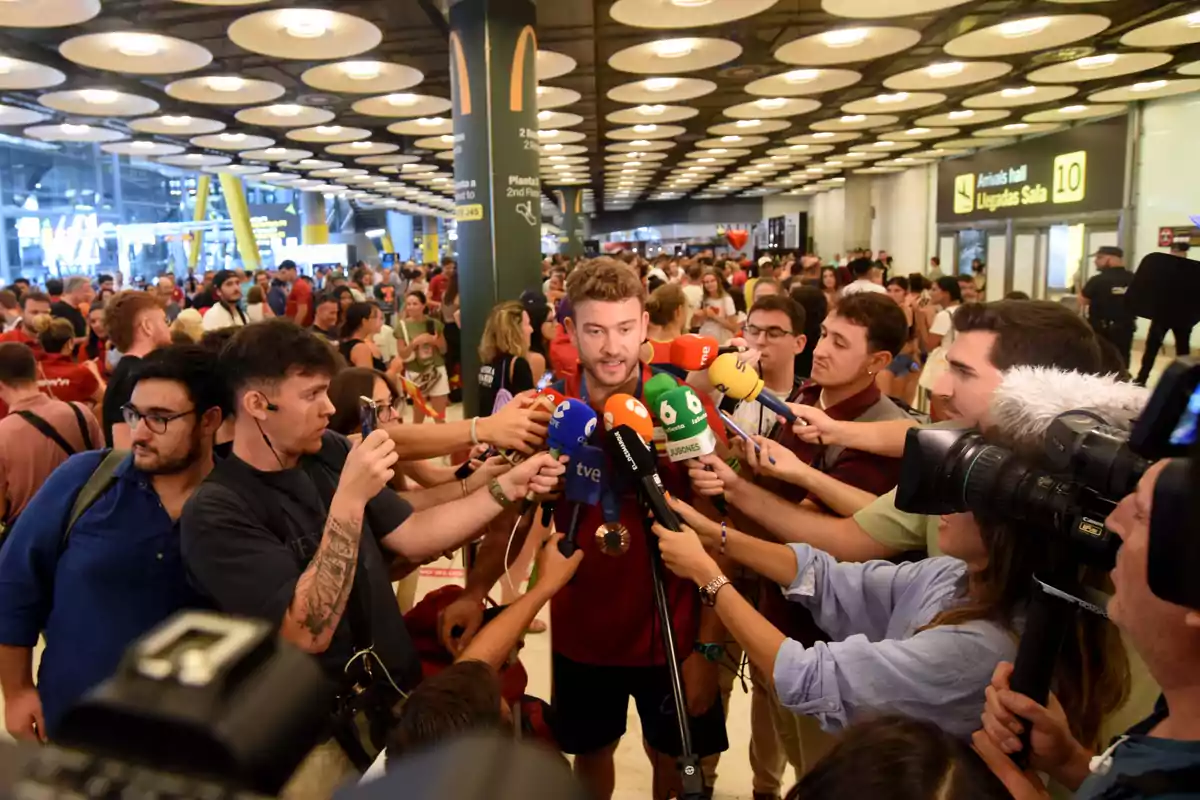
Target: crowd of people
<point x="199" y="444"/>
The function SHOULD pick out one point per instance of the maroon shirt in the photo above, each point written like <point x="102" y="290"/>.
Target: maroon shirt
<point x="606" y="616"/>
<point x="867" y="471"/>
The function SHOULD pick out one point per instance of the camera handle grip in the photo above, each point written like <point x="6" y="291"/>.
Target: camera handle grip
<point x="1047" y="624"/>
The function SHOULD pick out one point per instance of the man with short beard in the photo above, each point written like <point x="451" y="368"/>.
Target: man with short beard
<point x="95" y="586"/>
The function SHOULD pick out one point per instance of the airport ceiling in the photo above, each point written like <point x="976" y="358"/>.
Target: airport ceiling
<point x="640" y="99"/>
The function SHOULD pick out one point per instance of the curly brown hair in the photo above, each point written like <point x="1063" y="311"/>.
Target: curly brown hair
<point x="604" y="279"/>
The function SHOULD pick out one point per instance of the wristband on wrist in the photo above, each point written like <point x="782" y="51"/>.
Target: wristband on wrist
<point x="497" y="492"/>
<point x="475" y="431"/>
<point x="712" y="651"/>
<point x="724" y="536"/>
<point x="465" y="491"/>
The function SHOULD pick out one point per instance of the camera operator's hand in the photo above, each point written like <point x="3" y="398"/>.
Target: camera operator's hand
<point x="684" y="554"/>
<point x="23" y="716"/>
<point x="708" y="530"/>
<point x="1021" y="785"/>
<point x="554" y="571"/>
<point x="711" y="482"/>
<point x="1054" y="750"/>
<point x="814" y="426"/>
<point x="465" y="614"/>
<point x="521" y="425"/>
<point x="368" y="469"/>
<point x="539" y="475"/>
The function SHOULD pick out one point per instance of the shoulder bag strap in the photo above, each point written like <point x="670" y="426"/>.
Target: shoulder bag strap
<point x="83" y="427"/>
<point x="101" y="479"/>
<point x="47" y="430"/>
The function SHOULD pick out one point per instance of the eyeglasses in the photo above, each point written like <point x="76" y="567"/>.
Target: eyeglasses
<point x="391" y="413"/>
<point x="773" y="333"/>
<point x="157" y="423"/>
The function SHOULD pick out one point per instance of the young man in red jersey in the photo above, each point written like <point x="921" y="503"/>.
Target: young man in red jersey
<point x="607" y="645"/>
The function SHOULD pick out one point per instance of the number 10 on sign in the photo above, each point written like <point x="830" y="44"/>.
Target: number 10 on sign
<point x="1070" y="177"/>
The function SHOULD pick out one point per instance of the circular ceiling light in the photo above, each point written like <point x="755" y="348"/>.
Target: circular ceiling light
<point x="553" y="65"/>
<point x="196" y="160"/>
<point x="749" y="126"/>
<point x="71" y="132"/>
<point x="18" y="74"/>
<point x="176" y="124"/>
<point x="142" y="148"/>
<point x="1097" y="67"/>
<point x="98" y="102"/>
<point x="854" y="122"/>
<point x="891" y="103"/>
<point x="1026" y="35"/>
<point x="556" y="97"/>
<point x="12" y="115"/>
<point x="362" y="77"/>
<point x="424" y="126"/>
<point x="799" y="82"/>
<point x="946" y="74"/>
<point x="285" y="115"/>
<point x="232" y="141"/>
<point x="1074" y="112"/>
<point x="44" y="14"/>
<point x="771" y="108"/>
<point x="847" y="45"/>
<point x="1020" y="96"/>
<point x="1018" y="129"/>
<point x="656" y="113"/>
<point x="1173" y="32"/>
<point x="873" y="9"/>
<point x="328" y="134"/>
<point x="684" y="13"/>
<point x="309" y="34"/>
<point x="1146" y="90"/>
<point x="675" y="55"/>
<point x="658" y="91"/>
<point x="362" y="149"/>
<point x="402" y="104"/>
<point x="135" y="53"/>
<point x="224" y="90"/>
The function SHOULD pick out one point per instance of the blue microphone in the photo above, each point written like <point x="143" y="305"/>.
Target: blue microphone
<point x="583" y="487"/>
<point x="572" y="425"/>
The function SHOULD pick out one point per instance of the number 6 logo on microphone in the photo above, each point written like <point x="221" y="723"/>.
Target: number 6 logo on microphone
<point x="667" y="414"/>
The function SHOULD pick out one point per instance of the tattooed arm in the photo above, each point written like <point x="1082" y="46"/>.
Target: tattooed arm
<point x="324" y="587"/>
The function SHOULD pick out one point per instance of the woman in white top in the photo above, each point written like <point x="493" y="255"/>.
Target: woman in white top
<point x="937" y="334"/>
<point x="256" y="305"/>
<point x="718" y="312"/>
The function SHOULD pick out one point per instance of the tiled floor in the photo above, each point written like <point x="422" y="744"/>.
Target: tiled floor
<point x="633" y="770"/>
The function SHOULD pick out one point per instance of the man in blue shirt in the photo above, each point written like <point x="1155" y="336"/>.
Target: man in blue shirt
<point x="118" y="573"/>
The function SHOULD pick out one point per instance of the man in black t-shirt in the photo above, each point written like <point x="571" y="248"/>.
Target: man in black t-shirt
<point x="1103" y="300"/>
<point x="137" y="326"/>
<point x="77" y="294"/>
<point x="299" y="529"/>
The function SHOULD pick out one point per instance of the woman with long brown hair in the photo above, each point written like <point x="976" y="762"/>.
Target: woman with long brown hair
<point x="504" y="356"/>
<point x="669" y="315"/>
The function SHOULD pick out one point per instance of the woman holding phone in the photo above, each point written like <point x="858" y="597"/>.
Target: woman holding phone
<point x="421" y="342"/>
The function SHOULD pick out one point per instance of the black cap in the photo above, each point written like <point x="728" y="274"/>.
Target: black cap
<point x="222" y="276"/>
<point x="1108" y="250"/>
<point x="287" y="264"/>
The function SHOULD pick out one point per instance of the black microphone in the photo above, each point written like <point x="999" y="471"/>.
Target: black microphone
<point x="1047" y="625"/>
<point x="633" y="458"/>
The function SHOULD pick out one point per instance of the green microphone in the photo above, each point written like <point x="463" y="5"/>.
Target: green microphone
<point x="685" y="423"/>
<point x="654" y="389"/>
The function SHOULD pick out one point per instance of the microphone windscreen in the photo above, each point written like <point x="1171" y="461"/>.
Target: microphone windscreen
<point x="584" y="474"/>
<point x="1030" y="398"/>
<point x="686" y="424"/>
<point x="554" y="396"/>
<point x="737" y="380"/>
<point x="693" y="352"/>
<point x="571" y="426"/>
<point x="629" y="454"/>
<point x="625" y="409"/>
<point x="655" y="388"/>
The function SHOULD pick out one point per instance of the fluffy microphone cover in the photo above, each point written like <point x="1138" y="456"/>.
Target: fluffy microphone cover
<point x="1029" y="398"/>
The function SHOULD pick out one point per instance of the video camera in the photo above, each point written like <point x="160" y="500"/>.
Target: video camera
<point x="951" y="469"/>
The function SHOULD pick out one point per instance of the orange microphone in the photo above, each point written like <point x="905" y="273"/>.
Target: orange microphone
<point x="625" y="409"/>
<point x="694" y="353"/>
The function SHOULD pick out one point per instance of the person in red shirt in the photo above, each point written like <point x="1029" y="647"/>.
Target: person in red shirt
<point x="300" y="306"/>
<point x="60" y="377"/>
<point x="437" y="286"/>
<point x="607" y="646"/>
<point x="33" y="306"/>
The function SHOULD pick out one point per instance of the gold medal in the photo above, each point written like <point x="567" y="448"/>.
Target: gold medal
<point x="612" y="538"/>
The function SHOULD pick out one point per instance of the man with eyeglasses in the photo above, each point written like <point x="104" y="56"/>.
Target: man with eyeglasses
<point x="858" y="339"/>
<point x="94" y="562"/>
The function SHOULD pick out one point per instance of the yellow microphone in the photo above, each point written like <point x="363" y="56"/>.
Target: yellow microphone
<point x="739" y="381"/>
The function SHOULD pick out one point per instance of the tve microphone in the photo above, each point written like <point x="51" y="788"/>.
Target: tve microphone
<point x="570" y="427"/>
<point x="655" y="388"/>
<point x="582" y="488"/>
<point x="694" y="353"/>
<point x="625" y="409"/>
<point x="633" y="459"/>
<point x="688" y="433"/>
<point x="741" y="382"/>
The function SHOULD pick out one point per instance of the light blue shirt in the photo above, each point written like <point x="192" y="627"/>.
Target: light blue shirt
<point x="876" y="661"/>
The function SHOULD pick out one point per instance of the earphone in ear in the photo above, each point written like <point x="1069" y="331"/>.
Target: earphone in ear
<point x="271" y="406"/>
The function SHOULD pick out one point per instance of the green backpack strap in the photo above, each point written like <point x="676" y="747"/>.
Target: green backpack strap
<point x="97" y="484"/>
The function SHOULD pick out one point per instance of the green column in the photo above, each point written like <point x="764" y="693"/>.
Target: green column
<point x="493" y="58"/>
<point x="570" y="203"/>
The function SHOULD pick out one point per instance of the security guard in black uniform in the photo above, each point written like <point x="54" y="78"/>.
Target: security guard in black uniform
<point x="1103" y="301"/>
